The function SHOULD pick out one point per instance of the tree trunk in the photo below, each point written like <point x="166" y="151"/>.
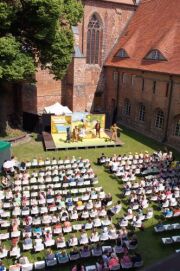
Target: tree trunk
<point x="3" y="110"/>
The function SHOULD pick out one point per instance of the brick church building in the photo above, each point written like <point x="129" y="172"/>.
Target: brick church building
<point x="83" y="86"/>
<point x="126" y="64"/>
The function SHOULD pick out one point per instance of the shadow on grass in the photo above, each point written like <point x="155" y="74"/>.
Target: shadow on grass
<point x="148" y="141"/>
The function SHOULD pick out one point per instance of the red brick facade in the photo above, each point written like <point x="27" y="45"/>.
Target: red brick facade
<point x="45" y="92"/>
<point x="138" y="87"/>
<point x="114" y="17"/>
<point x="141" y="93"/>
<point x="78" y="88"/>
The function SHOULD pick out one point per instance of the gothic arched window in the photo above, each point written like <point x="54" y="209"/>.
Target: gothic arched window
<point x="94" y="40"/>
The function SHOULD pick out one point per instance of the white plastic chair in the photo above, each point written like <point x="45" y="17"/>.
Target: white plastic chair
<point x="39" y="265"/>
<point x="27" y="267"/>
<point x="51" y="262"/>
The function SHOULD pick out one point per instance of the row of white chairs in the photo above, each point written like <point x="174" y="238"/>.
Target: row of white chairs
<point x="160" y="187"/>
<point x="48" y="162"/>
<point x="167" y="227"/>
<point x="64" y="192"/>
<point x="57" y="230"/>
<point x="48" y="218"/>
<point x="55" y="179"/>
<point x="40" y="245"/>
<point x="57" y="170"/>
<point x="171" y="240"/>
<point x="66" y="258"/>
<point x="49" y="198"/>
<point x="72" y="213"/>
<point x="154" y="195"/>
<point x="57" y="185"/>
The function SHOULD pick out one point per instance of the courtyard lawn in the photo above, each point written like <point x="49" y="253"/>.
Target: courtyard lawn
<point x="150" y="245"/>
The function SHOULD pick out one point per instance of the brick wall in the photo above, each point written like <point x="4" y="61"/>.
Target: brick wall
<point x="44" y="92"/>
<point x="48" y="90"/>
<point x="78" y="88"/>
<point x="130" y="87"/>
<point x="174" y="114"/>
<point x="89" y="79"/>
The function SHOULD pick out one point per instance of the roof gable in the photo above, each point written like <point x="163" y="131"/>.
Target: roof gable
<point x="122" y="53"/>
<point x="151" y="28"/>
<point x="155" y="55"/>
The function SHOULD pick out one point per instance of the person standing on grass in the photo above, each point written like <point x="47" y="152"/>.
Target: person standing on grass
<point x="114" y="129"/>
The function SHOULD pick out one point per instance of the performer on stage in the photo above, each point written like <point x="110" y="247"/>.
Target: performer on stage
<point x="75" y="134"/>
<point x="114" y="129"/>
<point x="68" y="135"/>
<point x="98" y="129"/>
<point x="82" y="133"/>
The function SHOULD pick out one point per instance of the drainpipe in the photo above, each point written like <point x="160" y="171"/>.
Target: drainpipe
<point x="83" y="33"/>
<point x="117" y="93"/>
<point x="169" y="109"/>
<point x="115" y="109"/>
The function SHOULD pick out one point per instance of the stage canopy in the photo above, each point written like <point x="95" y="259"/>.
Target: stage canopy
<point x="57" y="109"/>
<point x="5" y="152"/>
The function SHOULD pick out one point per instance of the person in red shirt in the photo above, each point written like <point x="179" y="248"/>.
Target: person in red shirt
<point x="113" y="261"/>
<point x="98" y="129"/>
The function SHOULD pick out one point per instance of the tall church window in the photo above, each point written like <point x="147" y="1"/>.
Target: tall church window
<point x="141" y="112"/>
<point x="177" y="128"/>
<point x="127" y="107"/>
<point x="159" y="119"/>
<point x="94" y="40"/>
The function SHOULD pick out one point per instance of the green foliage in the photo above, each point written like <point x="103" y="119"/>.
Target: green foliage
<point x="14" y="63"/>
<point x="62" y="46"/>
<point x="73" y="11"/>
<point x="6" y="16"/>
<point x="34" y="32"/>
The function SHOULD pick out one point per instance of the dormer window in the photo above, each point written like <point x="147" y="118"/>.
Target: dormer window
<point x="155" y="55"/>
<point x="122" y="53"/>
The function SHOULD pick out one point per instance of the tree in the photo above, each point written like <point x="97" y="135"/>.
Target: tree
<point x="35" y="33"/>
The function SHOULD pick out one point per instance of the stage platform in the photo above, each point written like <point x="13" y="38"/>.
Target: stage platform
<point x="54" y="142"/>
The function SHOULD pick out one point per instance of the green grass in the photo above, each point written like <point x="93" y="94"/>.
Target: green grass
<point x="149" y="243"/>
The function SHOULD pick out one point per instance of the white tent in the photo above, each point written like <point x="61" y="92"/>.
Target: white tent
<point x="57" y="109"/>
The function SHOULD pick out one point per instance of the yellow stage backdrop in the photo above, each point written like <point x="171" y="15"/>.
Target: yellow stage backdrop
<point x="93" y="118"/>
<point x="59" y="124"/>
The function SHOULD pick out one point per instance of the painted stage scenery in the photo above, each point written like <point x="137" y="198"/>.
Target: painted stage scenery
<point x="80" y="130"/>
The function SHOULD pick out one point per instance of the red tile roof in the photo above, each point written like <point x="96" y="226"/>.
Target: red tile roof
<point x="127" y="2"/>
<point x="155" y="25"/>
